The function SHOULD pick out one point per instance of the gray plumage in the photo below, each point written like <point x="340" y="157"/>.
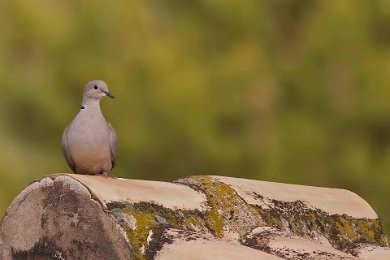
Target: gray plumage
<point x="90" y="143"/>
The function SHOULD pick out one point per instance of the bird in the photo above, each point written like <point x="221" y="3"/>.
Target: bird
<point x="89" y="142"/>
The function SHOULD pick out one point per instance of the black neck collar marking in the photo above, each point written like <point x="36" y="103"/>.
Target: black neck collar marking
<point x="82" y="107"/>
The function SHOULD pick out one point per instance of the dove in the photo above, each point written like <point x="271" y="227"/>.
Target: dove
<point x="89" y="142"/>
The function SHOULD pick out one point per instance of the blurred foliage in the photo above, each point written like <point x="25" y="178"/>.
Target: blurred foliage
<point x="287" y="91"/>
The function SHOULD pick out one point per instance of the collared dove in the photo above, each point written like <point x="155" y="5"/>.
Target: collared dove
<point x="89" y="143"/>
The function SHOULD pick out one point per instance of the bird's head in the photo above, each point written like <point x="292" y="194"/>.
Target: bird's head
<point x="96" y="89"/>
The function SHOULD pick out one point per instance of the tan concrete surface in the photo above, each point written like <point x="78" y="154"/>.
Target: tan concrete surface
<point x="205" y="248"/>
<point x="333" y="201"/>
<point x="371" y="252"/>
<point x="169" y="195"/>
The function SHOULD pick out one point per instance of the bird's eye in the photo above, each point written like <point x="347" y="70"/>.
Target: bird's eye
<point x="95" y="87"/>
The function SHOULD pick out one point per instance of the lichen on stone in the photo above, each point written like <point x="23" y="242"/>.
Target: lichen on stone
<point x="228" y="213"/>
<point x="230" y="217"/>
<point x="297" y="217"/>
<point x="148" y="217"/>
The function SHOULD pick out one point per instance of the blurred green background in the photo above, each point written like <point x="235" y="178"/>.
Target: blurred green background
<point x="286" y="91"/>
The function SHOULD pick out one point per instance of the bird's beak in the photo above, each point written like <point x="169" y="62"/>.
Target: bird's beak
<point x="108" y="94"/>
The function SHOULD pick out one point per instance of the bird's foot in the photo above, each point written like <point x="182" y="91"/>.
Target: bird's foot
<point x="103" y="174"/>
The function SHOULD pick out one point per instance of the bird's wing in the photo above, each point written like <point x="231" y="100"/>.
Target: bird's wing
<point x="65" y="150"/>
<point x="113" y="141"/>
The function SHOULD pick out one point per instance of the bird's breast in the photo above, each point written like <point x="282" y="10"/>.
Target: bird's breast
<point x="89" y="142"/>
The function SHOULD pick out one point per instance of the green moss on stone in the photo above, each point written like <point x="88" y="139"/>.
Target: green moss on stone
<point x="144" y="223"/>
<point x="216" y="222"/>
<point x="345" y="226"/>
<point x="194" y="223"/>
<point x="228" y="212"/>
<point x="146" y="214"/>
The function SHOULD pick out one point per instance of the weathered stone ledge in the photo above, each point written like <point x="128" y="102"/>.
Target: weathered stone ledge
<point x="67" y="216"/>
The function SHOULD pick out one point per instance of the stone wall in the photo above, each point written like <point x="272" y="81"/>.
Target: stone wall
<point x="66" y="216"/>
